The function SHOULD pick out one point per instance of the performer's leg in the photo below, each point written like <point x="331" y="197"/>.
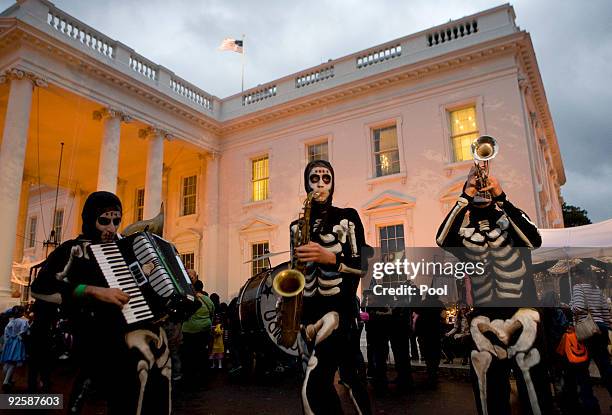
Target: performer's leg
<point x="318" y="392"/>
<point x="538" y="380"/>
<point x="349" y="362"/>
<point x="496" y="388"/>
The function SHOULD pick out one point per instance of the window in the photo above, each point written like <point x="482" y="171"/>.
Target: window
<point x="259" y="178"/>
<point x="392" y="249"/>
<point x="318" y="151"/>
<point x="257" y="250"/>
<point x="139" y="205"/>
<point x="464" y="130"/>
<point x="188" y="260"/>
<point x="32" y="232"/>
<point x="58" y="219"/>
<point x="386" y="152"/>
<point x="189" y="196"/>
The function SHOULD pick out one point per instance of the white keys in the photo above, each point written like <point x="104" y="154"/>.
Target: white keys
<point x="118" y="275"/>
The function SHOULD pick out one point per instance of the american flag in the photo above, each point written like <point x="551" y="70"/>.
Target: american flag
<point x="231" y="44"/>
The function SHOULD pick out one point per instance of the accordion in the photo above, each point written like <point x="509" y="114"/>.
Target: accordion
<point x="149" y="269"/>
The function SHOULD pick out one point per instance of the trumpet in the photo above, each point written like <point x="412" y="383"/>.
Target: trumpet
<point x="289" y="284"/>
<point x="484" y="149"/>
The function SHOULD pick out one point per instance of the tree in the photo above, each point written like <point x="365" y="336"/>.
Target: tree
<point x="574" y="216"/>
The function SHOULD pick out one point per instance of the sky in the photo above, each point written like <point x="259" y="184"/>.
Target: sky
<point x="572" y="41"/>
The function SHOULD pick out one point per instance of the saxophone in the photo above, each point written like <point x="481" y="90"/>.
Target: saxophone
<point x="289" y="284"/>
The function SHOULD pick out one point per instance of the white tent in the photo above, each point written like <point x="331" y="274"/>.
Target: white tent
<point x="588" y="241"/>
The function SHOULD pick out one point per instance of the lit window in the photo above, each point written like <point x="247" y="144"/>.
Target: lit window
<point x="58" y="220"/>
<point x="318" y="151"/>
<point x="139" y="204"/>
<point x="386" y="152"/>
<point x="257" y="250"/>
<point x="189" y="196"/>
<point x="188" y="260"/>
<point x="464" y="130"/>
<point x="32" y="232"/>
<point x="259" y="178"/>
<point x="392" y="249"/>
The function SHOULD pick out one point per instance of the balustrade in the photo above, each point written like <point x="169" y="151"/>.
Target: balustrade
<point x="449" y="33"/>
<point x="377" y="56"/>
<point x="73" y="29"/>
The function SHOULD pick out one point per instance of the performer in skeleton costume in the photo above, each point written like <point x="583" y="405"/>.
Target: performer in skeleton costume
<point x="131" y="369"/>
<point x="505" y="336"/>
<point x="334" y="266"/>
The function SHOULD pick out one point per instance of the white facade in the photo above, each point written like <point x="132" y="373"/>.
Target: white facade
<point x="152" y="130"/>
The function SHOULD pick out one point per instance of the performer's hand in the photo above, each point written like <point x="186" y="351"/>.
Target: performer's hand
<point x="315" y="253"/>
<point x="493" y="186"/>
<point x="108" y="295"/>
<point x="470" y="183"/>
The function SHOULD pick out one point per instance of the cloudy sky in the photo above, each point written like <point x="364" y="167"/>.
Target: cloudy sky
<point x="572" y="40"/>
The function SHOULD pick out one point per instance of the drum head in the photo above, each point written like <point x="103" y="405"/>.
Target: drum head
<point x="257" y="309"/>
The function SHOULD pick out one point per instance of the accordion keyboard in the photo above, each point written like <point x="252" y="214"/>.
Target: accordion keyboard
<point x="118" y="275"/>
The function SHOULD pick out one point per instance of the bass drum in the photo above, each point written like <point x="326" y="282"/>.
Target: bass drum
<point x="257" y="311"/>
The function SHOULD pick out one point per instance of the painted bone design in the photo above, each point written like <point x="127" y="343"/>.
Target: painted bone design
<point x="526" y="357"/>
<point x="143" y="340"/>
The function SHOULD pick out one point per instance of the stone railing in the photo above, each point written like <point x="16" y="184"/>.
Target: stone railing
<point x="350" y="69"/>
<point x="72" y="28"/>
<point x="192" y="93"/>
<point x="377" y="56"/>
<point x="143" y="67"/>
<point x="314" y="77"/>
<point x="452" y="32"/>
<point x="409" y="50"/>
<point x="259" y="94"/>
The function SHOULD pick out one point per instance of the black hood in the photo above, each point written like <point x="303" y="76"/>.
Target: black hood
<point x="320" y="163"/>
<point x="96" y="204"/>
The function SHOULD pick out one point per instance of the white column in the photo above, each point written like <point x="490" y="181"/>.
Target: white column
<point x="211" y="205"/>
<point x="22" y="220"/>
<point x="109" y="151"/>
<point x="12" y="161"/>
<point x="154" y="172"/>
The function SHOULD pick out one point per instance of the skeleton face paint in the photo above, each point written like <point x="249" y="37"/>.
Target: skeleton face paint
<point x="320" y="180"/>
<point x="108" y="223"/>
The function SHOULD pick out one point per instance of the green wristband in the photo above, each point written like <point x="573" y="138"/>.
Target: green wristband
<point x="79" y="291"/>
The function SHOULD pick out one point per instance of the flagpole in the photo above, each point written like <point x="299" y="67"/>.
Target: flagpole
<point x="243" y="52"/>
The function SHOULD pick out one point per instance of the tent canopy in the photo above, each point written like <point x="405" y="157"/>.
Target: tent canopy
<point x="588" y="241"/>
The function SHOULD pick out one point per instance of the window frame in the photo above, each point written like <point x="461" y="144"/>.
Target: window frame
<point x="139" y="210"/>
<point x="193" y="259"/>
<point x="58" y="235"/>
<point x="368" y="127"/>
<point x="31" y="240"/>
<point x="255" y="268"/>
<point x="252" y="180"/>
<point x="376" y="154"/>
<point x="182" y="193"/>
<point x="379" y="227"/>
<point x="452" y="137"/>
<point x="319" y="142"/>
<point x="445" y="109"/>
